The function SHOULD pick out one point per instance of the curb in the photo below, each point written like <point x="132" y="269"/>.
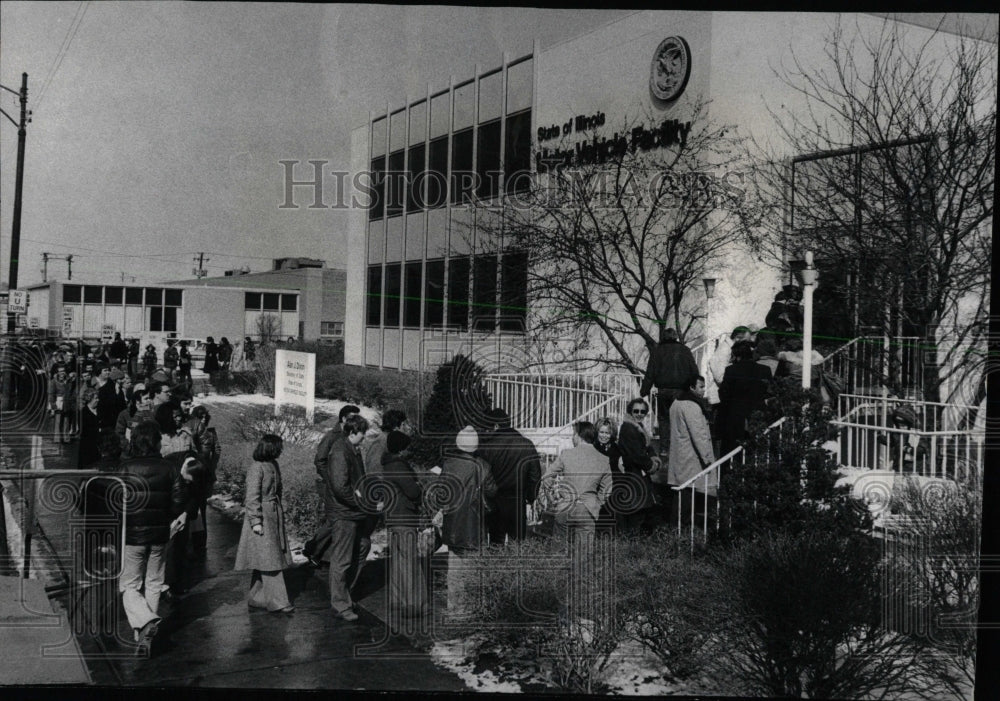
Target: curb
<point x="15" y="509"/>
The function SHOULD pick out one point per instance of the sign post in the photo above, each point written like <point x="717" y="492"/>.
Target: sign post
<point x="18" y="302"/>
<point x="295" y="380"/>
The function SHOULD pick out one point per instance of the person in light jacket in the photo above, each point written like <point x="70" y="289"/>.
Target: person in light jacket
<point x="586" y="478"/>
<point x="263" y="544"/>
<point x="690" y="441"/>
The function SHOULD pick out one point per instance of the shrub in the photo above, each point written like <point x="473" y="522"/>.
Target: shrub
<point x="290" y="423"/>
<point x="379" y="389"/>
<point x="943" y="520"/>
<point x="804" y="617"/>
<point x="788" y="480"/>
<point x="654" y="592"/>
<point x="458" y="398"/>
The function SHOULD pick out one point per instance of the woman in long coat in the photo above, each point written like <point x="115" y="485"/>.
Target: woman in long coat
<point x="263" y="544"/>
<point x="639" y="460"/>
<point x="211" y="357"/>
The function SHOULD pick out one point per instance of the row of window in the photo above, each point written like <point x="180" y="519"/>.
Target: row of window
<point x="270" y="302"/>
<point x="134" y="296"/>
<point x="459" y="292"/>
<point x="418" y="178"/>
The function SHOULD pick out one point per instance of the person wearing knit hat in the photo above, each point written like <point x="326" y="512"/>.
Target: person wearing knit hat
<point x="467" y="440"/>
<point x="408" y="574"/>
<point x="468" y="480"/>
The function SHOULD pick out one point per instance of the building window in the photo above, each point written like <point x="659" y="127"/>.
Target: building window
<point x="289" y="303"/>
<point x="376" y="208"/>
<point x="72" y="294"/>
<point x="173" y="298"/>
<point x="415" y="186"/>
<point x="114" y="295"/>
<point x="331" y="328"/>
<point x="490" y="96"/>
<point x="411" y="289"/>
<point x="458" y="292"/>
<point x="392" y="294"/>
<point x="251" y="300"/>
<point x="462" y="178"/>
<point x="154" y="297"/>
<point x="374" y="296"/>
<point x="437" y="173"/>
<point x="484" y="293"/>
<point x="513" y="291"/>
<point x="170" y="319"/>
<point x="378" y="137"/>
<point x="395" y="178"/>
<point x="434" y="294"/>
<point x="93" y="294"/>
<point x="272" y="302"/>
<point x="517" y="153"/>
<point x="519" y="79"/>
<point x="488" y="160"/>
<point x="133" y="296"/>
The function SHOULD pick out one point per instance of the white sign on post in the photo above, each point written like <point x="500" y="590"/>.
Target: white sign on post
<point x="18" y="302"/>
<point x="107" y="332"/>
<point x="68" y="318"/>
<point x="295" y="380"/>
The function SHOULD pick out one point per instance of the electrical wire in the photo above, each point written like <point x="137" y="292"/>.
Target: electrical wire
<point x="63" y="50"/>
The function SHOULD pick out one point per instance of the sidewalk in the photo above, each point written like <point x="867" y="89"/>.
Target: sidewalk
<point x="211" y="638"/>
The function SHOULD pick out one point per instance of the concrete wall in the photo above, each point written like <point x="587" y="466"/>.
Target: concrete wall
<point x="213" y="312"/>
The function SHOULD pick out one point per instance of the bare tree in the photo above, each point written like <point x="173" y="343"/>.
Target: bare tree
<point x="892" y="186"/>
<point x="268" y="327"/>
<point x="619" y="231"/>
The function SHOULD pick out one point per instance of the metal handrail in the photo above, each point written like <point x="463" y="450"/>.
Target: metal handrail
<point x="731" y="454"/>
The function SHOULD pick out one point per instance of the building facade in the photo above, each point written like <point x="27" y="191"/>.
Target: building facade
<point x="155" y="313"/>
<point x="416" y="271"/>
<point x="321" y="298"/>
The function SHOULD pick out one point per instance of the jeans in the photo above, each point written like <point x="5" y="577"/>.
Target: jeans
<point x="142" y="569"/>
<point x="577" y="527"/>
<point x="349" y="546"/>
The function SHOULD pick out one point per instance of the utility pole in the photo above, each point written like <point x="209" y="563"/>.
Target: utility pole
<point x="15" y="233"/>
<point x="69" y="267"/>
<point x="45" y="267"/>
<point x="7" y="395"/>
<point x="200" y="271"/>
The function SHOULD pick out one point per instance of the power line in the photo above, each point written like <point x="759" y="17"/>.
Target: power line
<point x="64" y="49"/>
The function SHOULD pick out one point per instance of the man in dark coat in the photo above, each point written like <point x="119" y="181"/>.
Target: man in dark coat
<point x="349" y="544"/>
<point x="118" y="351"/>
<point x="516" y="470"/>
<point x="316" y="547"/>
<point x="154" y="510"/>
<point x="744" y="388"/>
<point x="670" y="364"/>
<point x="111" y="400"/>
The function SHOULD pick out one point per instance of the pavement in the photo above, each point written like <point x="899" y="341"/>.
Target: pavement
<point x="210" y="638"/>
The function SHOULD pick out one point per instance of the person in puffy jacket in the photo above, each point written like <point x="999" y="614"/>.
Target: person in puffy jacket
<point x="154" y="508"/>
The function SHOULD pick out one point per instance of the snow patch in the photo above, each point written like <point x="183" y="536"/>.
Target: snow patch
<point x="457" y="656"/>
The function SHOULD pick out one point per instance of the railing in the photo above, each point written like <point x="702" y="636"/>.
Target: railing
<point x="708" y="480"/>
<point x="868" y="442"/>
<point x="868" y="363"/>
<point x="931" y="416"/>
<point x="556" y="401"/>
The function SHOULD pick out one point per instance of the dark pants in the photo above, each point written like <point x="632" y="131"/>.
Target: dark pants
<point x="665" y="397"/>
<point x="508" y="519"/>
<point x="349" y="548"/>
<point x="176" y="561"/>
<point x="199" y="540"/>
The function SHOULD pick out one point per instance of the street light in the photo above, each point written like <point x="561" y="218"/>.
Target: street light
<point x="810" y="277"/>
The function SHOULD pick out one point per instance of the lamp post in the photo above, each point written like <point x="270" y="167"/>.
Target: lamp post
<point x="709" y="283"/>
<point x="809" y="276"/>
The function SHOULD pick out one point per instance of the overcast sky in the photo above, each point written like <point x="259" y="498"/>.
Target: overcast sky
<point x="159" y="131"/>
<point x="159" y="126"/>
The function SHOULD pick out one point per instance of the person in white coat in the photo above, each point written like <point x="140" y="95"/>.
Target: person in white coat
<point x="720" y="360"/>
<point x="690" y="446"/>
